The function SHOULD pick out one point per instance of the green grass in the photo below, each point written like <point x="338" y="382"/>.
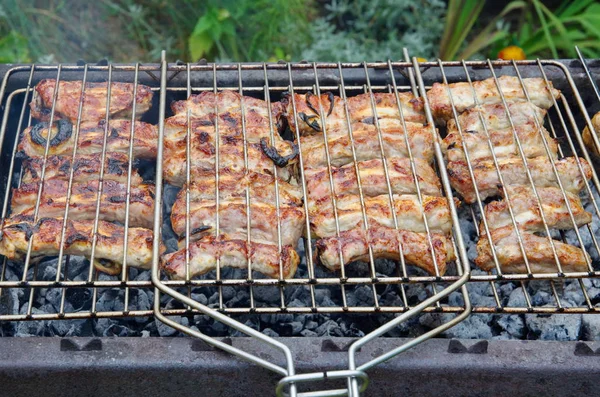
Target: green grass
<point x="128" y="30"/>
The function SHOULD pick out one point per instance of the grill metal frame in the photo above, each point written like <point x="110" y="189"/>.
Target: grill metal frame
<point x="413" y="72"/>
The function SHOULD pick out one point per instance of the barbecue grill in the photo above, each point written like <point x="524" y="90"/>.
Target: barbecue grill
<point x="443" y="295"/>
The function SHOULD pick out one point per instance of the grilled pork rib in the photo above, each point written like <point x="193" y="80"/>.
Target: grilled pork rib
<point x="83" y="201"/>
<point x="203" y="255"/>
<point x="203" y="156"/>
<point x="309" y="108"/>
<point x="386" y="243"/>
<point x="45" y="237"/>
<point x="373" y="179"/>
<point x="538" y="250"/>
<point x="85" y="168"/>
<point x="91" y="138"/>
<point x="232" y="185"/>
<point x="94" y="100"/>
<point x="587" y="134"/>
<point x="367" y="147"/>
<point x="503" y="143"/>
<point x="487" y="93"/>
<point x="525" y="207"/>
<point x="233" y="220"/>
<point x="513" y="173"/>
<point x="498" y="117"/>
<point x="408" y="210"/>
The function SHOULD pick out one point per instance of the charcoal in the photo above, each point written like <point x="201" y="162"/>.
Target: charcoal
<point x="476" y="326"/>
<point x="308" y="333"/>
<point x="143" y="276"/>
<point x="512" y="324"/>
<point x="49" y="272"/>
<point x="9" y="301"/>
<point x="165" y="330"/>
<point x="266" y="294"/>
<point x="590" y="327"/>
<point x="200" y="298"/>
<point x="560" y="327"/>
<point x="329" y="328"/>
<point x="320" y="294"/>
<point x="361" y="296"/>
<point x="270" y="332"/>
<point x="228" y="293"/>
<point x="311" y="325"/>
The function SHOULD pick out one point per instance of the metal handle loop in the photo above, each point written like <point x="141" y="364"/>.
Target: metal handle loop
<point x="357" y="375"/>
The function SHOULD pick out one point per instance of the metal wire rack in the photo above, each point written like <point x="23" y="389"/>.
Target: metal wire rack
<point x="269" y="81"/>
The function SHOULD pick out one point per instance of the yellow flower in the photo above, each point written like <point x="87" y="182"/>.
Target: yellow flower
<point x="419" y="59"/>
<point x="512" y="52"/>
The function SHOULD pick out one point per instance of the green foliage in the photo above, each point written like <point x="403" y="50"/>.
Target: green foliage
<point x="214" y="27"/>
<point x="460" y="18"/>
<point x="574" y="23"/>
<point x="358" y="30"/>
<point x="530" y="24"/>
<point x="13" y="48"/>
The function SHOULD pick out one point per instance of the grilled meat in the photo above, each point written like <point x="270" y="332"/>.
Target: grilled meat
<point x="526" y="210"/>
<point x="373" y="179"/>
<point x="309" y="106"/>
<point x="513" y="173"/>
<point x="91" y="138"/>
<point x="85" y="168"/>
<point x="45" y="237"/>
<point x="386" y="243"/>
<point x="538" y="250"/>
<point x="203" y="256"/>
<point x="587" y="134"/>
<point x="366" y="145"/>
<point x="232" y="185"/>
<point x="83" y="201"/>
<point x="202" y="158"/>
<point x="503" y="143"/>
<point x="94" y="100"/>
<point x="408" y="210"/>
<point x="233" y="220"/>
<point x="487" y="93"/>
<point x="228" y="104"/>
<point x="496" y="117"/>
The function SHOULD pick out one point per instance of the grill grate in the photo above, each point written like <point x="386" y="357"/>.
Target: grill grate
<point x="269" y="82"/>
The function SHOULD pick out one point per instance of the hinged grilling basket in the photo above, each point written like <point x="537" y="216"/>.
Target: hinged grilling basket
<point x="238" y="294"/>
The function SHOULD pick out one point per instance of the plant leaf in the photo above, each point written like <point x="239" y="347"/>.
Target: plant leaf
<point x="14" y="48"/>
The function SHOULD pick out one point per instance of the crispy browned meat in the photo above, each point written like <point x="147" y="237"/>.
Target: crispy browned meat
<point x="85" y="168"/>
<point x="498" y="117"/>
<point x="308" y="109"/>
<point x="202" y="159"/>
<point x="538" y="250"/>
<point x="203" y="256"/>
<point x="587" y="135"/>
<point x="366" y="145"/>
<point x="91" y="138"/>
<point x="487" y="93"/>
<point x="233" y="126"/>
<point x="373" y="179"/>
<point x="94" y="100"/>
<point x="526" y="210"/>
<point x="228" y="103"/>
<point x="261" y="188"/>
<point x="408" y="210"/>
<point x="233" y="220"/>
<point x="84" y="201"/>
<point x="513" y="173"/>
<point x="45" y="237"/>
<point x="386" y="243"/>
<point x="503" y="143"/>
